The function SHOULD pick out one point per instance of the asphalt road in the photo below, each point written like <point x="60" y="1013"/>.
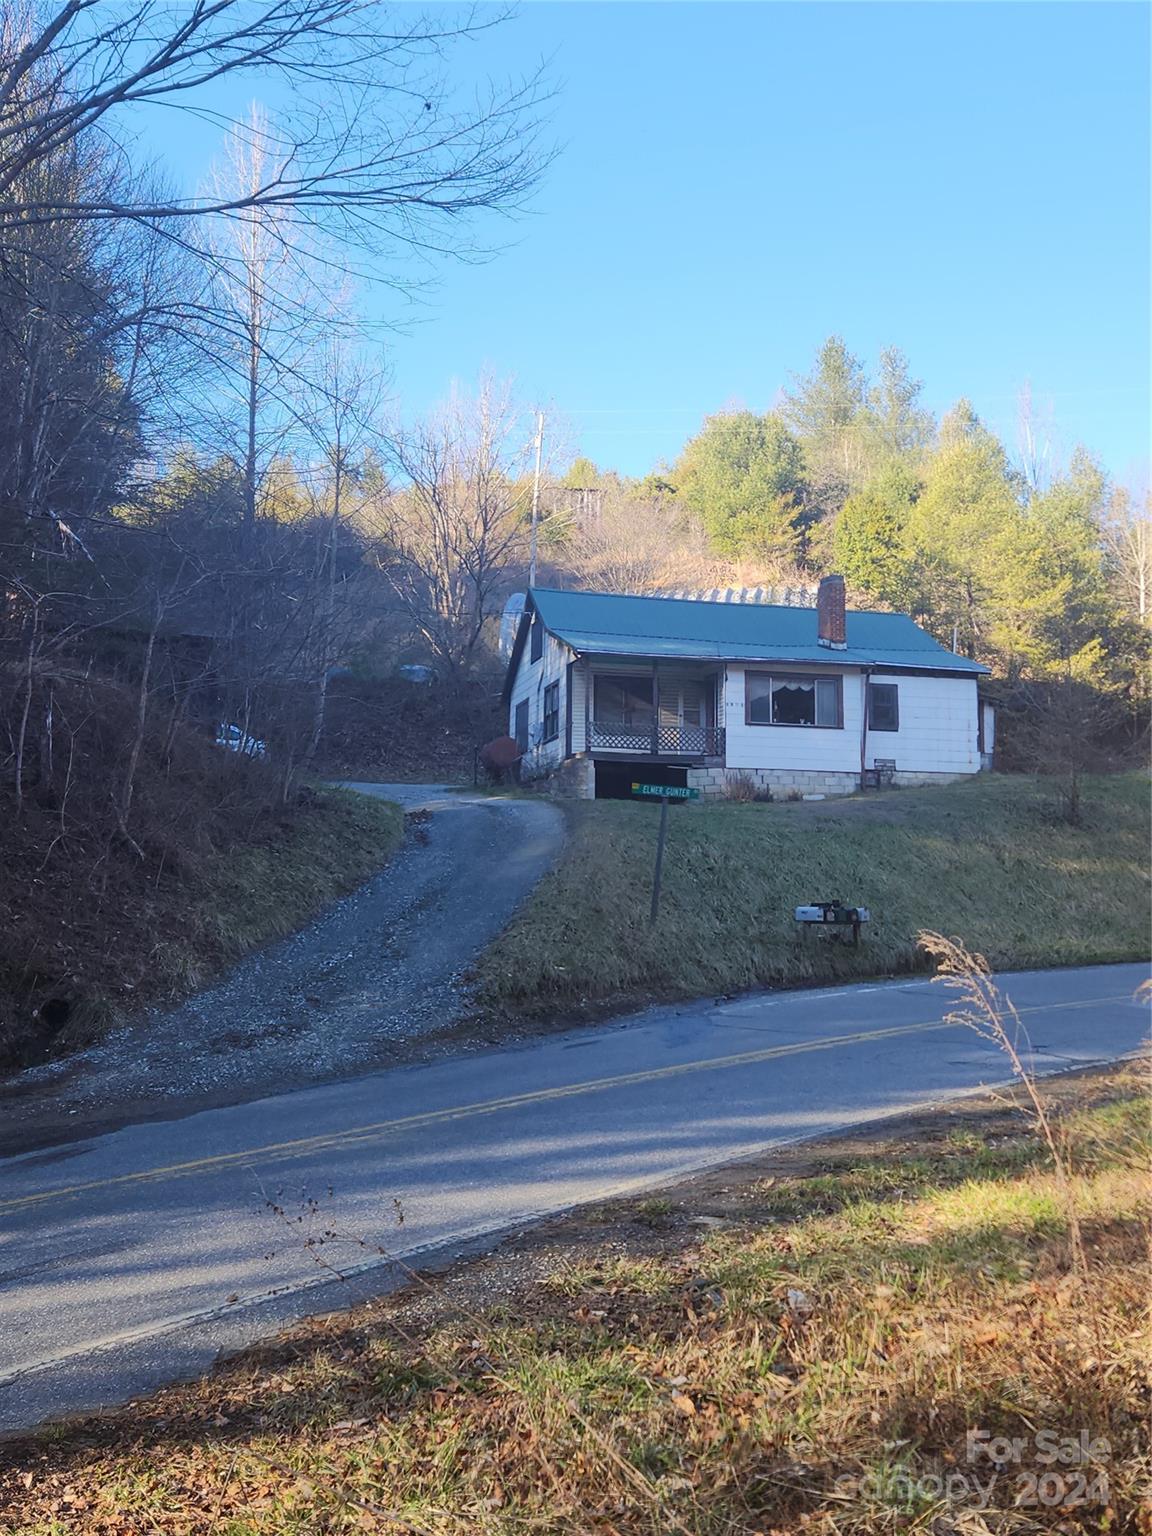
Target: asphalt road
<point x="132" y="1258"/>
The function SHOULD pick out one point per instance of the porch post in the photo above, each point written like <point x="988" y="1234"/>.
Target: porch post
<point x="655" y="709"/>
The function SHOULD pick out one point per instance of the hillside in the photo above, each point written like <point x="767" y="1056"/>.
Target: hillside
<point x="989" y="861"/>
<point x="108" y="902"/>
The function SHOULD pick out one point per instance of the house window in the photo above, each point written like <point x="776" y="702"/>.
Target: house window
<point x="520" y="729"/>
<point x="551" y="711"/>
<point x="883" y="707"/>
<point x="788" y="700"/>
<point x="537" y="639"/>
<point x="624" y="701"/>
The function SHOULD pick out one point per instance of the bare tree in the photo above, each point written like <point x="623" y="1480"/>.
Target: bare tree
<point x="68" y="420"/>
<point x="264" y="317"/>
<point x="1127" y="532"/>
<point x="454" y="523"/>
<point x="1035" y="451"/>
<point x="635" y="543"/>
<point x="371" y="144"/>
<point x="344" y="400"/>
<point x="1064" y="728"/>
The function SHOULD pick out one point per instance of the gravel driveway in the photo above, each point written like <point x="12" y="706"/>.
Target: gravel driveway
<point x="383" y="967"/>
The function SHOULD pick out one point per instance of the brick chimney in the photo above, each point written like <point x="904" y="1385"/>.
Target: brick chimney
<point x="830" y="624"/>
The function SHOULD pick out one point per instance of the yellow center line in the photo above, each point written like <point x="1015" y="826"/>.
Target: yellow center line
<point x="355" y="1135"/>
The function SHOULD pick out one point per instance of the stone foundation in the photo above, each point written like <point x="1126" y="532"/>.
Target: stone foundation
<point x="781" y="781"/>
<point x="926" y="780"/>
<point x="575" y="779"/>
<point x="802" y="781"/>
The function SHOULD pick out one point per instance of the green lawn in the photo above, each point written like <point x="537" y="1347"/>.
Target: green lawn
<point x="987" y="861"/>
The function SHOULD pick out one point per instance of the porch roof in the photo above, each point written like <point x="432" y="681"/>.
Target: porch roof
<point x="608" y="624"/>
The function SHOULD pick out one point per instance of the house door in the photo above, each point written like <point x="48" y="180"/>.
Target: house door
<point x="684" y="702"/>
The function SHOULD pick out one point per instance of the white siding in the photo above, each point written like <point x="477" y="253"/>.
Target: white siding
<point x="826" y="750"/>
<point x="937" y="729"/>
<point x="937" y="726"/>
<point x="579" y="706"/>
<point x="937" y="714"/>
<point x="532" y="677"/>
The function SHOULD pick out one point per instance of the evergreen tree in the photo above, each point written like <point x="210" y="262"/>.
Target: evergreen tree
<point x="898" y="427"/>
<point x="870" y="545"/>
<point x="743" y="477"/>
<point x="827" y="413"/>
<point x="966" y="513"/>
<point x="1051" y="593"/>
<point x="582" y="475"/>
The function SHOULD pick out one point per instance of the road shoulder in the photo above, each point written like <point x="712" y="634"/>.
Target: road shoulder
<point x="649" y="1297"/>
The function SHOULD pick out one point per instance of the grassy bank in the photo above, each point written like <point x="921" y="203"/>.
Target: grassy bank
<point x="800" y="1344"/>
<point x="292" y="869"/>
<point x="156" y="927"/>
<point x="988" y="861"/>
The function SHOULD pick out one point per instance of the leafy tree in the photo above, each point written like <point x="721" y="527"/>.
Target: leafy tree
<point x="1022" y="581"/>
<point x="743" y="476"/>
<point x="657" y="483"/>
<point x="284" y="495"/>
<point x="197" y="492"/>
<point x="870" y="545"/>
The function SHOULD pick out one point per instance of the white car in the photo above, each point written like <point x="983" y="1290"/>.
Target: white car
<point x="236" y="740"/>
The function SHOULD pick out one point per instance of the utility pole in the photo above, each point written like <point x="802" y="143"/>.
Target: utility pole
<point x="536" y="496"/>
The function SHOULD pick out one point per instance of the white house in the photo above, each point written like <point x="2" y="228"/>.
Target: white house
<point x="604" y="689"/>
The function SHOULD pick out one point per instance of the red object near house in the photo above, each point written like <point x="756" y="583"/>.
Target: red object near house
<point x="500" y="757"/>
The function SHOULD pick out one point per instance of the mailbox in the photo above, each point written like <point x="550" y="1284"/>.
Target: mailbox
<point x="835" y="913"/>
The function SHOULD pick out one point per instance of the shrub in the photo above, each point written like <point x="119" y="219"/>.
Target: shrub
<point x="741" y="787"/>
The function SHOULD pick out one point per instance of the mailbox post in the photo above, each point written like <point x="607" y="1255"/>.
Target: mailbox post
<point x="835" y="913"/>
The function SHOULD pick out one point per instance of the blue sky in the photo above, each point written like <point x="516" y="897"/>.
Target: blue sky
<point x="737" y="181"/>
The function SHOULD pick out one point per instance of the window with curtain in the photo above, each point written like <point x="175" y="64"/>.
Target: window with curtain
<point x="786" y="700"/>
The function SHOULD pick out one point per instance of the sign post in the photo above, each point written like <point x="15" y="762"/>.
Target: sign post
<point x="663" y="793"/>
<point x="660" y="836"/>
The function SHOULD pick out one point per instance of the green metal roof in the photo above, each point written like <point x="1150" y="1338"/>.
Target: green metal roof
<point x="606" y="624"/>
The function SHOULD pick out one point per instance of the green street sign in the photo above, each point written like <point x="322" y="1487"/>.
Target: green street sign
<point x="659" y="791"/>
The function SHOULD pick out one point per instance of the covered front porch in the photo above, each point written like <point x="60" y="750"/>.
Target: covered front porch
<point x="661" y="712"/>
